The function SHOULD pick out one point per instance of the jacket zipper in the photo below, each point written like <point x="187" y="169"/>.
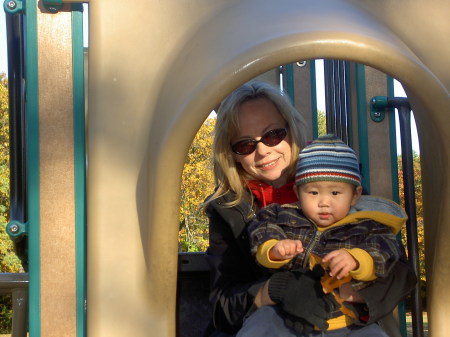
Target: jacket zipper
<point x="311" y="246"/>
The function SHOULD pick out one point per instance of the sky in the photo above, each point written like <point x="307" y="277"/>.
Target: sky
<point x="398" y="89"/>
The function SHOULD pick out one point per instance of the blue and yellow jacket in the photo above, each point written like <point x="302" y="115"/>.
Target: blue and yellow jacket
<point x="368" y="232"/>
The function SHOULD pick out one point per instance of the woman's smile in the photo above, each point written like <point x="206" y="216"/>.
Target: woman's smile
<point x="270" y="165"/>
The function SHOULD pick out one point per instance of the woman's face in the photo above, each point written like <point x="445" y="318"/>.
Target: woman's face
<point x="268" y="164"/>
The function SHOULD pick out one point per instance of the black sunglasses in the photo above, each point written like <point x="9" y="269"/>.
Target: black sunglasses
<point x="270" y="138"/>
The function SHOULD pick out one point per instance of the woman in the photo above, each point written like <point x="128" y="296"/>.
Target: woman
<point x="257" y="139"/>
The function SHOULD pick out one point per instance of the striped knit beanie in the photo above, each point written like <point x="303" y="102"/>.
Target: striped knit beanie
<point x="327" y="159"/>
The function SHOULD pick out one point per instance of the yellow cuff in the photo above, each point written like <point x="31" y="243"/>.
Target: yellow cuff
<point x="262" y="255"/>
<point x="366" y="269"/>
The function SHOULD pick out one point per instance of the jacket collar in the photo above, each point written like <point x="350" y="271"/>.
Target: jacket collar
<point x="378" y="209"/>
<point x="267" y="194"/>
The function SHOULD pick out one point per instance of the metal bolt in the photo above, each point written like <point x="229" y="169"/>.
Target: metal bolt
<point x="301" y="64"/>
<point x="14" y="228"/>
<point x="377" y="114"/>
<point x="52" y="9"/>
<point x="12" y="4"/>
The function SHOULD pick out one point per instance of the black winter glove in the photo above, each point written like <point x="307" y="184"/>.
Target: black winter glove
<point x="300" y="294"/>
<point x="299" y="325"/>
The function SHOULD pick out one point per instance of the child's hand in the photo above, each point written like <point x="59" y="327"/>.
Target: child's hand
<point x="286" y="249"/>
<point x="341" y="263"/>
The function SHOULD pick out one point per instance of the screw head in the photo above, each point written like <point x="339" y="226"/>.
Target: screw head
<point x="14" y="228"/>
<point x="52" y="9"/>
<point x="11" y="4"/>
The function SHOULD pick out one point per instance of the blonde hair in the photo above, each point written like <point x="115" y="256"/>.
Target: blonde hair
<point x="229" y="175"/>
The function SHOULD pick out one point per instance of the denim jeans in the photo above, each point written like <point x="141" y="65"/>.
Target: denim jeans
<point x="268" y="321"/>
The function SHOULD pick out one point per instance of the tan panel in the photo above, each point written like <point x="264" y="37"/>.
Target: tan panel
<point x="57" y="233"/>
<point x="302" y="96"/>
<point x="380" y="160"/>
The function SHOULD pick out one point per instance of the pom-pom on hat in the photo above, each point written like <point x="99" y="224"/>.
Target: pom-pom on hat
<point x="328" y="158"/>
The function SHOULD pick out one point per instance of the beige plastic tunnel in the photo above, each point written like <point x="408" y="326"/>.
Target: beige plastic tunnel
<point x="156" y="70"/>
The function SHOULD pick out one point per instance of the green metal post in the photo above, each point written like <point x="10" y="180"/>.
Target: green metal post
<point x="32" y="140"/>
<point x="289" y="72"/>
<point x="80" y="160"/>
<point x="393" y="143"/>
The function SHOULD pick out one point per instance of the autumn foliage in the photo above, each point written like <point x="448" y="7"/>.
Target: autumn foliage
<point x="8" y="259"/>
<point x="197" y="183"/>
<point x="9" y="262"/>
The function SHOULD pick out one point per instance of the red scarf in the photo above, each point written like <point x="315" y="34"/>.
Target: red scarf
<point x="267" y="194"/>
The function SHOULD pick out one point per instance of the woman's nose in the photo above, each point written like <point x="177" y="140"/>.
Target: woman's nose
<point x="262" y="149"/>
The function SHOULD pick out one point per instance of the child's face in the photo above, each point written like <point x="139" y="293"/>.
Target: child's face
<point x="326" y="202"/>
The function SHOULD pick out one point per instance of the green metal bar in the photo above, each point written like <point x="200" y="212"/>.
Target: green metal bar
<point x="315" y="120"/>
<point x="80" y="159"/>
<point x="393" y="142"/>
<point x="32" y="140"/>
<point x="362" y="125"/>
<point x="290" y="81"/>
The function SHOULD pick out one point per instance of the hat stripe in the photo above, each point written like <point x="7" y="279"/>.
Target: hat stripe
<point x="342" y="172"/>
<point x="328" y="159"/>
<point x="327" y="174"/>
<point x="341" y="154"/>
<point x="327" y="165"/>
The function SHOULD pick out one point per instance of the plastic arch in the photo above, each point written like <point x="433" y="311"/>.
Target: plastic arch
<point x="182" y="62"/>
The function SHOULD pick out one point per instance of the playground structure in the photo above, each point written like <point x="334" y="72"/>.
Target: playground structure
<point x="155" y="71"/>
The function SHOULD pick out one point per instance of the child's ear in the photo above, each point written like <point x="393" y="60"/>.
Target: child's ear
<point x="356" y="195"/>
<point x="296" y="188"/>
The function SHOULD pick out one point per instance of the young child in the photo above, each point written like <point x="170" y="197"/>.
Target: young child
<point x="352" y="234"/>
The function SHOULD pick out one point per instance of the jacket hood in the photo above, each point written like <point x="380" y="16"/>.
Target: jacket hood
<point x="378" y="209"/>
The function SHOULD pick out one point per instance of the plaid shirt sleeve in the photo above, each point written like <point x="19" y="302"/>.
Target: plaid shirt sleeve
<point x="382" y="245"/>
<point x="266" y="226"/>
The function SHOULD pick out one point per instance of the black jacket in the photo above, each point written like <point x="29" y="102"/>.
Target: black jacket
<point x="236" y="278"/>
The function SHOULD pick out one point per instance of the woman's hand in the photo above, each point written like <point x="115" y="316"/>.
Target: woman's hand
<point x="300" y="294"/>
<point x="262" y="297"/>
<point x="347" y="293"/>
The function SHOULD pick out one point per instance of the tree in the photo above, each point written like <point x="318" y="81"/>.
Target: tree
<point x="4" y="149"/>
<point x="197" y="183"/>
<point x="9" y="262"/>
<point x="8" y="259"/>
<point x="322" y="122"/>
